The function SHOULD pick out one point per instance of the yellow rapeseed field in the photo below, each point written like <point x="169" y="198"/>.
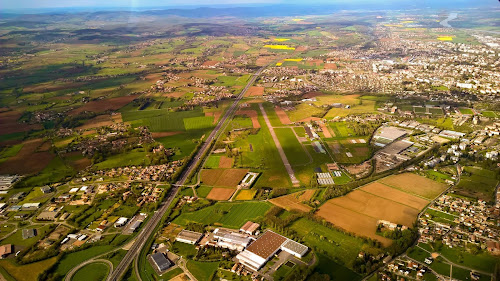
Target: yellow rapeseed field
<point x="279" y="47"/>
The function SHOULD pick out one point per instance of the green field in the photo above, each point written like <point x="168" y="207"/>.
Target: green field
<point x="342" y="248"/>
<point x="56" y="171"/>
<point x="202" y="122"/>
<point x="183" y="143"/>
<point x="203" y="191"/>
<point x="17" y="237"/>
<point x="259" y="153"/>
<point x="466" y="111"/>
<point x="172" y="273"/>
<point x="73" y="259"/>
<point x="341" y="130"/>
<point x="489" y="114"/>
<point x="94" y="271"/>
<point x="212" y="162"/>
<point x="479" y="183"/>
<point x="360" y="151"/>
<point x="202" y="270"/>
<point x="336" y="271"/>
<point x="232" y="215"/>
<point x="9" y="152"/>
<point x="292" y="147"/>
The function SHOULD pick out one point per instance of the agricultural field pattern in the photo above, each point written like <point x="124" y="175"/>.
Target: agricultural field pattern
<point x="249" y="140"/>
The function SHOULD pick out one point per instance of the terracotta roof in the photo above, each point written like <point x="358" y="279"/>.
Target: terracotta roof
<point x="267" y="244"/>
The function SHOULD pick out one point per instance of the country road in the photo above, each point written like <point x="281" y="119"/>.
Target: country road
<point x="148" y="229"/>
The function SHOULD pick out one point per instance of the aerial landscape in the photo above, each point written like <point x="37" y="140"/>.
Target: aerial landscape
<point x="249" y="140"/>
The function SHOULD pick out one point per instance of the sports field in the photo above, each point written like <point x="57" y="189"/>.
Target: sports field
<point x="359" y="211"/>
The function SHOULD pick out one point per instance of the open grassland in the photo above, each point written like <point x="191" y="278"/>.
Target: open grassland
<point x="220" y="193"/>
<point x="232" y="215"/>
<point x="252" y="114"/>
<point x="336" y="271"/>
<point x="304" y="111"/>
<point x="346" y="151"/>
<point x="212" y="162"/>
<point x="359" y="211"/>
<point x="73" y="259"/>
<point x="195" y="123"/>
<point x="478" y="183"/>
<point x="28" y="271"/>
<point x="294" y="201"/>
<point x="341" y="247"/>
<point x="93" y="271"/>
<point x="415" y="184"/>
<point x="293" y="149"/>
<point x="259" y="152"/>
<point x="202" y="270"/>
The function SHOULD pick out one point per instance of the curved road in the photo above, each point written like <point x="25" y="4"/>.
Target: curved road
<point x="148" y="229"/>
<point x="75" y="269"/>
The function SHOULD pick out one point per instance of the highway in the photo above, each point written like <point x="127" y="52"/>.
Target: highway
<point x="151" y="224"/>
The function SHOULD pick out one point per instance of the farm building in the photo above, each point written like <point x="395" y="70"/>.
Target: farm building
<point x="189" y="237"/>
<point x="250" y="227"/>
<point x="332" y="167"/>
<point x="121" y="222"/>
<point x="265" y="247"/>
<point x="6" y="182"/>
<point x="6" y="250"/>
<point x="17" y="197"/>
<point x="161" y="262"/>
<point x="31" y="206"/>
<point x="325" y="179"/>
<point x="29" y="233"/>
<point x="135" y="225"/>
<point x="46" y="189"/>
<point x="248" y="180"/>
<point x="47" y="216"/>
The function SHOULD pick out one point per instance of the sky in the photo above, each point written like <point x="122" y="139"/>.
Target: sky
<point x="137" y="4"/>
<point x="37" y="4"/>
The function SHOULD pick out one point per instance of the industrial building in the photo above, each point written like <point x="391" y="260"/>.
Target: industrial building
<point x="189" y="237"/>
<point x="161" y="262"/>
<point x="265" y="247"/>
